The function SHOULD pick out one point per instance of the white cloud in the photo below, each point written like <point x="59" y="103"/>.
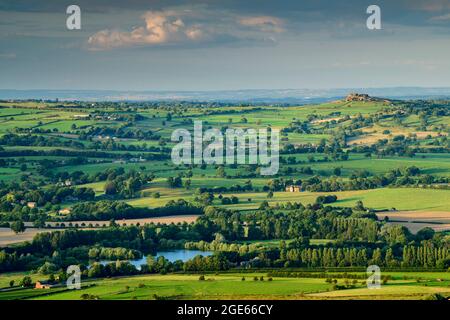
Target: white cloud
<point x="264" y="23"/>
<point x="160" y="27"/>
<point x="444" y="17"/>
<point x="178" y="26"/>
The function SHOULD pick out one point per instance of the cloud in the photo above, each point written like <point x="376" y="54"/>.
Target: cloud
<point x="429" y="5"/>
<point x="7" y="55"/>
<point x="263" y="23"/>
<point x="161" y="27"/>
<point x="184" y="26"/>
<point x="444" y="17"/>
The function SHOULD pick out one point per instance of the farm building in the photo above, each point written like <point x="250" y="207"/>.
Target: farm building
<point x="294" y="189"/>
<point x="43" y="285"/>
<point x="64" y="211"/>
<point x="31" y="205"/>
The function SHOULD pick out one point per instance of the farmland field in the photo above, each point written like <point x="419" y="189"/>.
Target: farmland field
<point x="358" y="183"/>
<point x="224" y="150"/>
<point x="231" y="286"/>
<point x="7" y="236"/>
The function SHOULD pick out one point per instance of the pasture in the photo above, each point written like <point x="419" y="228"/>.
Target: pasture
<point x="403" y="285"/>
<point x="393" y="159"/>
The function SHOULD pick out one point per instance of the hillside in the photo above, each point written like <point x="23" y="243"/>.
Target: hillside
<point x="362" y="137"/>
<point x="359" y="181"/>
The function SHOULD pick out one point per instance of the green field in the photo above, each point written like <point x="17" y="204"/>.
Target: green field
<point x="387" y="156"/>
<point x="414" y="199"/>
<point x="28" y="114"/>
<point x="403" y="285"/>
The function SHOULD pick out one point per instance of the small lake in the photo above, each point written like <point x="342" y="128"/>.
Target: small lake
<point x="173" y="255"/>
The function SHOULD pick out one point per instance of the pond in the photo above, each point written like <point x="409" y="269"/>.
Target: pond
<point x="172" y="255"/>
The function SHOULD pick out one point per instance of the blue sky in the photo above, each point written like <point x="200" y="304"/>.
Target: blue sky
<point x="223" y="45"/>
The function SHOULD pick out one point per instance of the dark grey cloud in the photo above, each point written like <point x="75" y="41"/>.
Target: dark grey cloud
<point x="282" y="8"/>
<point x="300" y="14"/>
<point x="223" y="44"/>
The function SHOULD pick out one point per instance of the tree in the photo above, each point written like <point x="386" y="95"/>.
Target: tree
<point x="436" y="296"/>
<point x="225" y="201"/>
<point x="220" y="172"/>
<point x="110" y="188"/>
<point x="39" y="222"/>
<point x="390" y="259"/>
<point x="113" y="224"/>
<point x="359" y="206"/>
<point x="26" y="282"/>
<point x="17" y="226"/>
<point x="47" y="268"/>
<point x="425" y="234"/>
<point x="219" y="238"/>
<point x="133" y="185"/>
<point x="174" y="182"/>
<point x="51" y="278"/>
<point x="206" y="198"/>
<point x="264" y="205"/>
<point x="377" y="257"/>
<point x="337" y="171"/>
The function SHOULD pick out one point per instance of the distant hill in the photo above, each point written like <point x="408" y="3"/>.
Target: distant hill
<point x="282" y="96"/>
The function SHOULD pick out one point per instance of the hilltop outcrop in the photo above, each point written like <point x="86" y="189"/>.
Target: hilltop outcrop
<point x="365" y="98"/>
<point x="359" y="97"/>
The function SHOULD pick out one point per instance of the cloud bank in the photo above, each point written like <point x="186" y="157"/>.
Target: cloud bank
<point x="169" y="27"/>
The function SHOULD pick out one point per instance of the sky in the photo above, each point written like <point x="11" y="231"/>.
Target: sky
<point x="223" y="45"/>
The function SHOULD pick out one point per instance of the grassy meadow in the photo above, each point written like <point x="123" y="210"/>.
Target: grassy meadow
<point x="403" y="285"/>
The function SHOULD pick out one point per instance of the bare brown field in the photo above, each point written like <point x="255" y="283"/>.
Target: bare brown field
<point x="128" y="222"/>
<point x="8" y="237"/>
<point x="165" y="220"/>
<point x="414" y="221"/>
<point x="422" y="216"/>
<point x="415" y="227"/>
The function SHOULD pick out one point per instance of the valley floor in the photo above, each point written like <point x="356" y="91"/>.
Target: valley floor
<point x="403" y="285"/>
